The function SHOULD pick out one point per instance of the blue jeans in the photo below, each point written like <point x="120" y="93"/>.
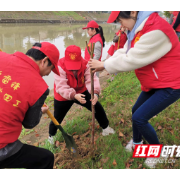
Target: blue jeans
<point x="148" y="105"/>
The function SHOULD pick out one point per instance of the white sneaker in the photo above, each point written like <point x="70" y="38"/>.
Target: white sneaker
<point x="130" y="146"/>
<point x="51" y="139"/>
<point x="108" y="131"/>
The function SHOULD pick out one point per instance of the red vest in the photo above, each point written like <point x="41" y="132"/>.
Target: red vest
<point x="93" y="39"/>
<point x="175" y="13"/>
<point x="122" y="41"/>
<point x="20" y="87"/>
<point x="77" y="84"/>
<point x="165" y="71"/>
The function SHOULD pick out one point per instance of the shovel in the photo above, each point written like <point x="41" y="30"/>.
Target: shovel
<point x="70" y="143"/>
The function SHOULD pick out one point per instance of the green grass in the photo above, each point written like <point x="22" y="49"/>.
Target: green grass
<point x="63" y="15"/>
<point x="117" y="99"/>
<point x="72" y="14"/>
<point x="25" y="132"/>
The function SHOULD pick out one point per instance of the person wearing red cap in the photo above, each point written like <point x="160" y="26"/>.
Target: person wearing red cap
<point x="119" y="40"/>
<point x="96" y="36"/>
<point x="74" y="86"/>
<point x="22" y="95"/>
<point x="152" y="50"/>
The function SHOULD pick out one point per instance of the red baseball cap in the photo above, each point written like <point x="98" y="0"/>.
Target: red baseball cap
<point x="73" y="58"/>
<point x="92" y="24"/>
<point x="51" y="51"/>
<point x="113" y="16"/>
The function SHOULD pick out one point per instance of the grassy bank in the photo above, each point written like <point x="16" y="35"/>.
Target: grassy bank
<point x="54" y="15"/>
<point x="117" y="98"/>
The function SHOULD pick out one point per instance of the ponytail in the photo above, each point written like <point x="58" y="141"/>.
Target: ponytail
<point x="100" y="31"/>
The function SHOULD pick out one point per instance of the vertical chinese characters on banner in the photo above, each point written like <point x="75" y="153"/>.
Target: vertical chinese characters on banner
<point x="6" y="79"/>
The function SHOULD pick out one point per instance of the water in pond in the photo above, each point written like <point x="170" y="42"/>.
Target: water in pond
<point x="21" y="37"/>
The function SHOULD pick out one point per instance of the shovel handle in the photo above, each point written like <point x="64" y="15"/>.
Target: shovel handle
<point x="51" y="116"/>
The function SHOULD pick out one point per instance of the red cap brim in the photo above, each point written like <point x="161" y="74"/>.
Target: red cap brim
<point x="85" y="28"/>
<point x="113" y="16"/>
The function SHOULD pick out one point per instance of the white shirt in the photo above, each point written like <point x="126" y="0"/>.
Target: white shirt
<point x="150" y="47"/>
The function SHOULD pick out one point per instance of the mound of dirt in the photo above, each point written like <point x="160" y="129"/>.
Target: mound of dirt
<point x="65" y="160"/>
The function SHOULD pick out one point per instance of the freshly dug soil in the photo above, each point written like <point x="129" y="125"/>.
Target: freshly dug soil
<point x="65" y="160"/>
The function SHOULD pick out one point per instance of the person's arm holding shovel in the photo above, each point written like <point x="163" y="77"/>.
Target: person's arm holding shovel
<point x="34" y="113"/>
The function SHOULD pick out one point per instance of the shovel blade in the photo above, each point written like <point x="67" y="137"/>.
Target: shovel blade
<point x="70" y="143"/>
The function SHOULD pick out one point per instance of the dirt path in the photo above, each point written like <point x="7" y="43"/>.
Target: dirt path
<point x="40" y="132"/>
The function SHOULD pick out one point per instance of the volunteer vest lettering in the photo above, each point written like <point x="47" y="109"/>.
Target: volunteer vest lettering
<point x="165" y="71"/>
<point x="93" y="39"/>
<point x="20" y="87"/>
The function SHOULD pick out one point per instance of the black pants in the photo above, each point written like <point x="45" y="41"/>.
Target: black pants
<point x="29" y="157"/>
<point x="62" y="107"/>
